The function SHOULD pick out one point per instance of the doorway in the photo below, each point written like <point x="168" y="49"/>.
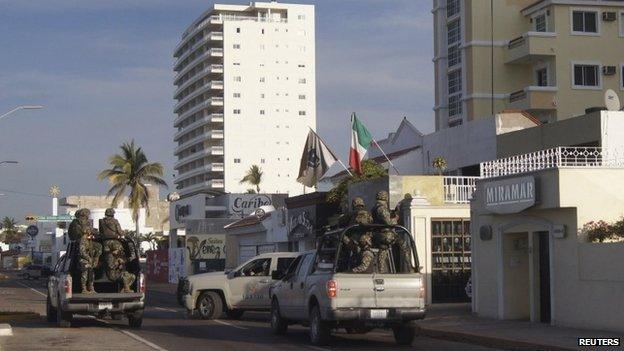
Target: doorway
<point x="543" y="258"/>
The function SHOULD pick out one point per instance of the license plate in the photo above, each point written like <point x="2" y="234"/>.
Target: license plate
<point x="378" y="314"/>
<point x="105" y="306"/>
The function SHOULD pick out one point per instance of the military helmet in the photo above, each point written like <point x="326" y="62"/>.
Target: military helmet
<point x="382" y="195"/>
<point x="366" y="239"/>
<point x="358" y="202"/>
<point x="110" y="212"/>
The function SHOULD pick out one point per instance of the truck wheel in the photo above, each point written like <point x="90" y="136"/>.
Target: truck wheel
<point x="63" y="319"/>
<point x="50" y="311"/>
<point x="209" y="305"/>
<point x="278" y="324"/>
<point x="319" y="330"/>
<point x="135" y="320"/>
<point x="234" y="314"/>
<point x="404" y="334"/>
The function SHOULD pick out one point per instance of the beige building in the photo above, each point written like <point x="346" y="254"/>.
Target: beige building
<point x="552" y="58"/>
<point x="532" y="257"/>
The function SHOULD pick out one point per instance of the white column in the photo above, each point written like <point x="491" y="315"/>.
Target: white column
<point x="57" y="245"/>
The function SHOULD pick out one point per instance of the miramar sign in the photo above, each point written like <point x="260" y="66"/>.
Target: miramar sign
<point x="510" y="195"/>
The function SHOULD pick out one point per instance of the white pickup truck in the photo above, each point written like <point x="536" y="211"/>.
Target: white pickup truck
<point x="245" y="288"/>
<point x="329" y="289"/>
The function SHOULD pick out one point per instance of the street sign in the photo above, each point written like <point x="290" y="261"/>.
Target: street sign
<point x="32" y="231"/>
<point x="59" y="218"/>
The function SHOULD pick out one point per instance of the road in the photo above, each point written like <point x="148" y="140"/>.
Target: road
<point x="167" y="327"/>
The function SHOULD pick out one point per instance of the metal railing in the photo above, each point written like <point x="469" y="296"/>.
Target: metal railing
<point x="517" y="95"/>
<point x="559" y="157"/>
<point x="514" y="43"/>
<point x="459" y="190"/>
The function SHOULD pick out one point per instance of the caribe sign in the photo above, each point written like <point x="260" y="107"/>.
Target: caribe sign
<point x="248" y="203"/>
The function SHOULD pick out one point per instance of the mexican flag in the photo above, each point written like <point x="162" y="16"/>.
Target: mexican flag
<point x="361" y="140"/>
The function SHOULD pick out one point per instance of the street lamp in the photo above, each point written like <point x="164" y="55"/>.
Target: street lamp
<point x="22" y="107"/>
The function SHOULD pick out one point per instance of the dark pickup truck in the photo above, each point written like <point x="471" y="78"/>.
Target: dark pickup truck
<point x="64" y="301"/>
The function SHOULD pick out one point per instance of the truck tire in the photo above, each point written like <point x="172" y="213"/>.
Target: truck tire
<point x="234" y="313"/>
<point x="63" y="319"/>
<point x="135" y="319"/>
<point x="319" y="329"/>
<point x="278" y="324"/>
<point x="209" y="305"/>
<point x="404" y="334"/>
<point x="50" y="311"/>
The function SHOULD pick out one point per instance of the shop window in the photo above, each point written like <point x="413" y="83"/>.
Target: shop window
<point x="451" y="258"/>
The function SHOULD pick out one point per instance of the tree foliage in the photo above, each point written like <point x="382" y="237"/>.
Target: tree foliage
<point x="11" y="233"/>
<point x="440" y="164"/>
<point x="370" y="170"/>
<point x="253" y="177"/>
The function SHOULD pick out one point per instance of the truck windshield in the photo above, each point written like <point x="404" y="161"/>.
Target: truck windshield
<point x="369" y="249"/>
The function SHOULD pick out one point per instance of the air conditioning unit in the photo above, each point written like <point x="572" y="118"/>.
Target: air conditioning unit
<point x="609" y="16"/>
<point x="608" y="70"/>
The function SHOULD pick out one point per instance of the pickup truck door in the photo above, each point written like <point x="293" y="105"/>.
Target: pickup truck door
<point x="298" y="288"/>
<point x="249" y="286"/>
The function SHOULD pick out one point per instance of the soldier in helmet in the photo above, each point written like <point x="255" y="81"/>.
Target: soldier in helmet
<point x="359" y="214"/>
<point x="89" y="250"/>
<point x="366" y="255"/>
<point x="110" y="229"/>
<point x="387" y="237"/>
<point x="116" y="265"/>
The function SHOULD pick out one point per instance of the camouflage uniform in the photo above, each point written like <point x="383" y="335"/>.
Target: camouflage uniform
<point x="387" y="237"/>
<point x="116" y="265"/>
<point x="89" y="250"/>
<point x="359" y="214"/>
<point x="366" y="255"/>
<point x="115" y="254"/>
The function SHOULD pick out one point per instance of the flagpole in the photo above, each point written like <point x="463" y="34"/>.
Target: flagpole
<point x="324" y="143"/>
<point x="386" y="156"/>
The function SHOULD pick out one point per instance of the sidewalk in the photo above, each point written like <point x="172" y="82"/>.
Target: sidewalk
<point x="456" y="323"/>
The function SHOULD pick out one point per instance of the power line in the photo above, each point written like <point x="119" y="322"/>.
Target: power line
<point x="23" y="193"/>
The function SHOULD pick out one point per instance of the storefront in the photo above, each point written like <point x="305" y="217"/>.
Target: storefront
<point x="308" y="214"/>
<point x="532" y="256"/>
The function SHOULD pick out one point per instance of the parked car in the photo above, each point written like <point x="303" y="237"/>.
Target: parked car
<point x="245" y="288"/>
<point x="35" y="271"/>
<point x="65" y="298"/>
<point x="320" y="288"/>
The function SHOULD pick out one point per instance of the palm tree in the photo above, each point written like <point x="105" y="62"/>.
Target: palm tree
<point x="130" y="170"/>
<point x="253" y="177"/>
<point x="439" y="163"/>
<point x="11" y="234"/>
<point x="150" y="238"/>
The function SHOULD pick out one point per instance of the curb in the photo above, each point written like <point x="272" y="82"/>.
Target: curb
<point x="488" y="341"/>
<point x="5" y="330"/>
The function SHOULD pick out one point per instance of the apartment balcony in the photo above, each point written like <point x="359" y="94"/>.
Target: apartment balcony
<point x="533" y="98"/>
<point x="215" y="118"/>
<point x="213" y="53"/>
<point x="213" y="151"/>
<point x="210" y="103"/>
<point x="530" y="47"/>
<point x="216" y="69"/>
<point x="210" y="37"/>
<point x="210" y="85"/>
<point x="459" y="190"/>
<point x="186" y="37"/>
<point x="559" y="157"/>
<point x="209" y="168"/>
<point x="211" y="135"/>
<point x="214" y="184"/>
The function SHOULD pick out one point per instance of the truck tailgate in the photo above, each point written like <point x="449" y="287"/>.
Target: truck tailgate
<point x="354" y="290"/>
<point x="398" y="290"/>
<point x="105" y="297"/>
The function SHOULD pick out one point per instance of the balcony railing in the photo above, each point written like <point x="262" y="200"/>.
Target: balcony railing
<point x="559" y="157"/>
<point x="459" y="190"/>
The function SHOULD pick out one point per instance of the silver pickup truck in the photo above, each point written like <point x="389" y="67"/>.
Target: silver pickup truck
<point x="328" y="288"/>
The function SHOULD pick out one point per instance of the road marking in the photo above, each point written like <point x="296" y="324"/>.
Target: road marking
<point x="31" y="288"/>
<point x="229" y="324"/>
<point x="141" y="340"/>
<point x="166" y="309"/>
<point x="316" y="348"/>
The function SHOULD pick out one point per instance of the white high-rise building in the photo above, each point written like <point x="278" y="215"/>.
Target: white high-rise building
<point x="246" y="95"/>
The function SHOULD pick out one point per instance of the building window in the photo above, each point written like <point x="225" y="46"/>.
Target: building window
<point x="622" y="77"/>
<point x="236" y="63"/>
<point x="262" y="31"/>
<point x="452" y="8"/>
<point x="301" y="66"/>
<point x="302" y="97"/>
<point x="454" y="105"/>
<point x="454" y="82"/>
<point x="302" y="80"/>
<point x="454" y="55"/>
<point x="262" y="79"/>
<point x="542" y="77"/>
<point x="540" y="23"/>
<point x="262" y="160"/>
<point x="238" y="78"/>
<point x="261" y="112"/>
<point x="584" y="22"/>
<point x="453" y="32"/>
<point x="262" y="96"/>
<point x="238" y="30"/>
<point x="237" y="160"/>
<point x="586" y="76"/>
<point x="236" y="46"/>
<point x="236" y="95"/>
<point x="236" y="111"/>
<point x="262" y="47"/>
<point x="622" y="24"/>
<point x="302" y="113"/>
<point x="301" y="17"/>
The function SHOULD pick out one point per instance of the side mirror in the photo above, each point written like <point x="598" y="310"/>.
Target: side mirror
<point x="277" y="275"/>
<point x="231" y="274"/>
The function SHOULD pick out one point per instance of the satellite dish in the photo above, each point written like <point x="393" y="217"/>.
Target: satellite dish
<point x="612" y="102"/>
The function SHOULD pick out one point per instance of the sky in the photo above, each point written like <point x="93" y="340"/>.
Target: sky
<point x="103" y="72"/>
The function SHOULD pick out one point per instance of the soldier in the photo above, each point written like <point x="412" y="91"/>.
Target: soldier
<point x="116" y="265"/>
<point x="359" y="214"/>
<point x="80" y="230"/>
<point x="387" y="236"/>
<point x="366" y="255"/>
<point x="110" y="229"/>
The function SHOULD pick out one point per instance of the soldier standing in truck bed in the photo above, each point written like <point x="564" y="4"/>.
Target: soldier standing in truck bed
<point x="80" y="230"/>
<point x="387" y="237"/>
